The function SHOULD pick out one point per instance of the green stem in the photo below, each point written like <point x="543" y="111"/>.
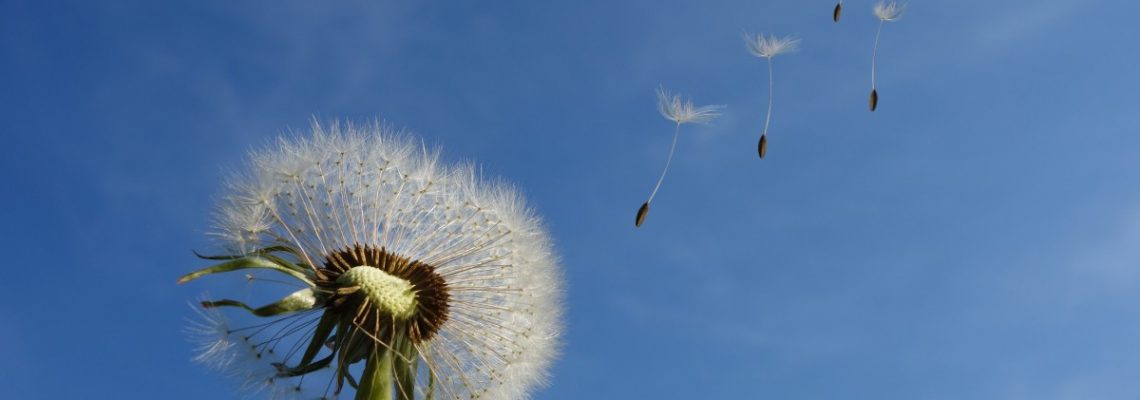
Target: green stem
<point x="405" y="369"/>
<point x="376" y="382"/>
<point x="429" y="392"/>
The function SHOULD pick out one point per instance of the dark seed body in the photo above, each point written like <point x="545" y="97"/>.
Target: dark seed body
<point x="838" y="10"/>
<point x="763" y="147"/>
<point x="874" y="99"/>
<point x="641" y="213"/>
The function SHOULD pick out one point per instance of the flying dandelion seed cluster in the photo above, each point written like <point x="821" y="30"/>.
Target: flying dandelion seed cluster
<point x="417" y="279"/>
<point x="766" y="46"/>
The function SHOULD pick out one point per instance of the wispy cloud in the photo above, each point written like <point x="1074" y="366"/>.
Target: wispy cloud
<point x="1021" y="22"/>
<point x="1110" y="260"/>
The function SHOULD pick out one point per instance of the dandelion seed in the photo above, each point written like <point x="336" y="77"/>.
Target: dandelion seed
<point x="768" y="47"/>
<point x="886" y="12"/>
<point x="641" y="213"/>
<point x="419" y="280"/>
<point x="889" y="10"/>
<point x="837" y="12"/>
<point x="762" y="148"/>
<point x="680" y="111"/>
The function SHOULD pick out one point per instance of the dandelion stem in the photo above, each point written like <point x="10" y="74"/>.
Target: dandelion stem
<point x="668" y="160"/>
<point x="875" y="53"/>
<point x="405" y="369"/>
<point x="376" y="382"/>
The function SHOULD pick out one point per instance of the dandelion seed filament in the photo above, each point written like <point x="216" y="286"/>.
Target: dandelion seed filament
<point x="680" y="111"/>
<point x="768" y="47"/>
<point x="886" y="12"/>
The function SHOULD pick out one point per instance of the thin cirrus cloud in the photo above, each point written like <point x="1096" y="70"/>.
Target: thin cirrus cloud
<point x="1012" y="24"/>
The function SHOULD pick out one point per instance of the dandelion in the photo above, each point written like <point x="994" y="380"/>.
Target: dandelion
<point x="768" y="47"/>
<point x="837" y="12"/>
<point x="416" y="279"/>
<point x="885" y="11"/>
<point x="680" y="111"/>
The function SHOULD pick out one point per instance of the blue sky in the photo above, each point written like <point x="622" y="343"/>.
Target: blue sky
<point x="975" y="238"/>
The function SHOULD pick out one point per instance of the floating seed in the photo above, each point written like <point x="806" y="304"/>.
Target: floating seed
<point x="641" y="213"/>
<point x="767" y="47"/>
<point x="886" y="11"/>
<point x="763" y="147"/>
<point x="838" y="10"/>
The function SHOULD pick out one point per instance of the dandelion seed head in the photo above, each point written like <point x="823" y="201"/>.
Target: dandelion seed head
<point x="681" y="111"/>
<point x="404" y="246"/>
<point x="889" y="10"/>
<point x="768" y="46"/>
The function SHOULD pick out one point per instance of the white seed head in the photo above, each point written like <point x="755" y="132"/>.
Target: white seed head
<point x="347" y="185"/>
<point x="889" y="10"/>
<point x="674" y="108"/>
<point x="768" y="46"/>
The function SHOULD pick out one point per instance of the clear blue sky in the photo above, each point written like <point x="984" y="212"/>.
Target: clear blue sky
<point x="975" y="238"/>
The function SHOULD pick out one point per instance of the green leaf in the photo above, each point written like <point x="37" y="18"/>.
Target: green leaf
<point x="300" y="300"/>
<point x="339" y="348"/>
<point x="246" y="263"/>
<point x="285" y="263"/>
<point x="320" y="335"/>
<point x="262" y="251"/>
<point x="306" y="368"/>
